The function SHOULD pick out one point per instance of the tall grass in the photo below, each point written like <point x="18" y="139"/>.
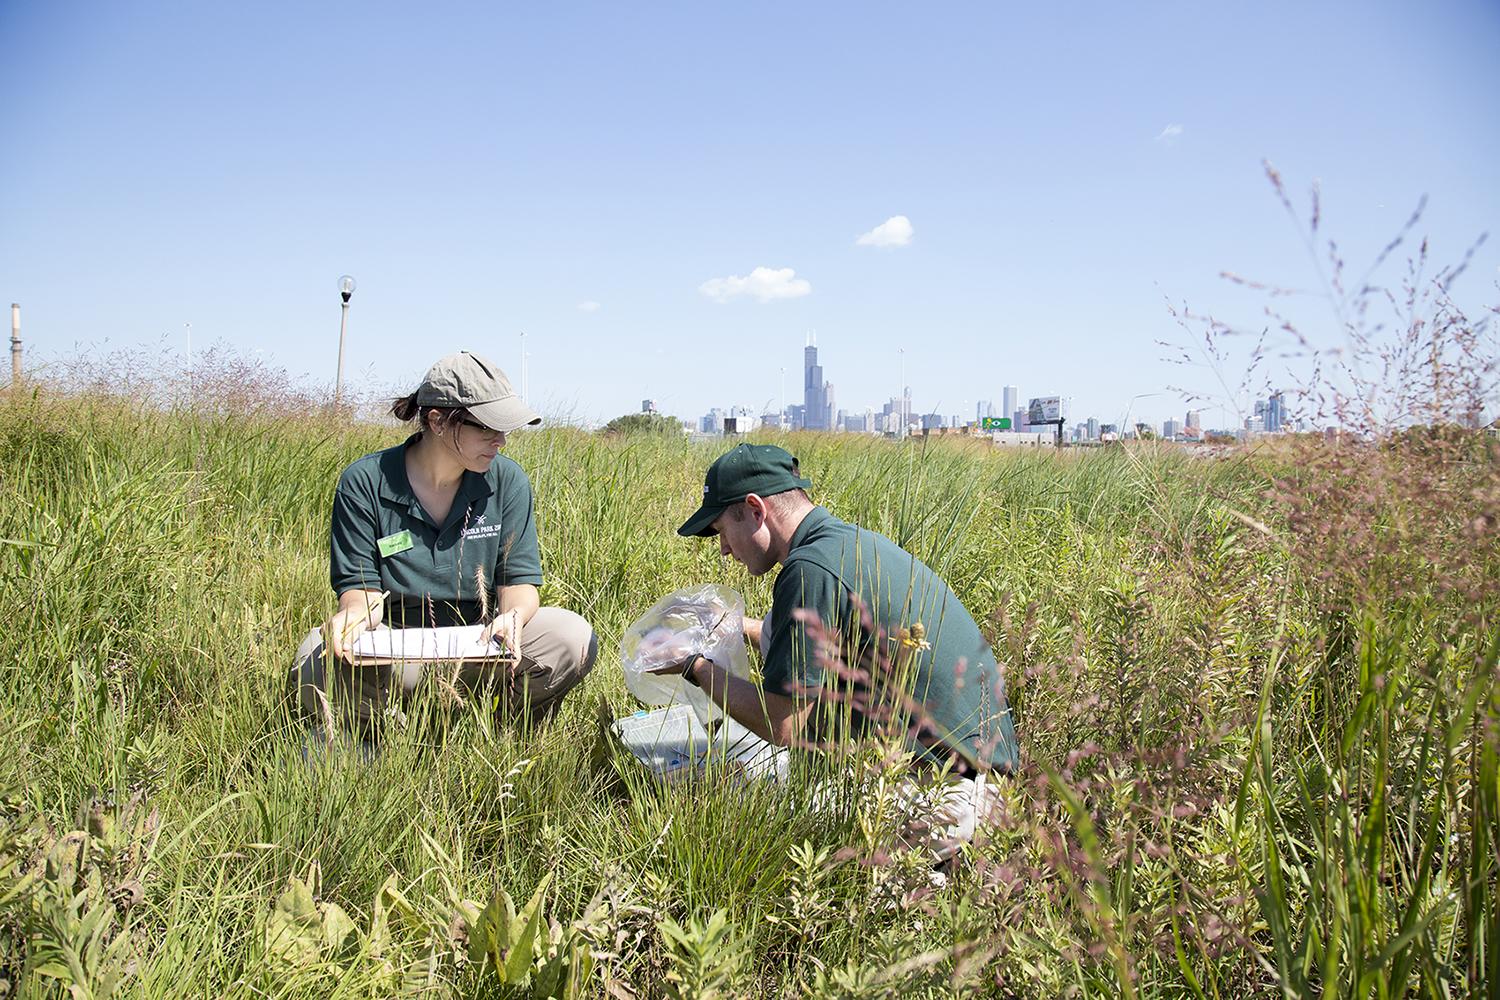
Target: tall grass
<point x="1259" y="745"/>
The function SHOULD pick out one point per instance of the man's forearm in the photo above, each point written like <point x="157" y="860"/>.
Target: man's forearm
<point x="774" y="718"/>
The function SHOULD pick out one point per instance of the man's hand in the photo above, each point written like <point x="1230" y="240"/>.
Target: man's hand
<point x="680" y="668"/>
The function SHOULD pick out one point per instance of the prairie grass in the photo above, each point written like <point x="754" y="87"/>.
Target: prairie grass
<point x="1255" y="696"/>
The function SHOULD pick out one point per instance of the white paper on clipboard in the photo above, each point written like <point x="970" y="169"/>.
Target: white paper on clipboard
<point x="454" y="642"/>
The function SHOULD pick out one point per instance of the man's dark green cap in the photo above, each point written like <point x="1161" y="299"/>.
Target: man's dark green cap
<point x="762" y="469"/>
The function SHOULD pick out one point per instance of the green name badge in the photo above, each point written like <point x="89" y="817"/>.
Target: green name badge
<point x="391" y="544"/>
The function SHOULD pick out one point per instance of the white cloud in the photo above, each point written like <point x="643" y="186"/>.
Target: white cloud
<point x="1169" y="134"/>
<point x="765" y="283"/>
<point x="588" y="306"/>
<point x="893" y="232"/>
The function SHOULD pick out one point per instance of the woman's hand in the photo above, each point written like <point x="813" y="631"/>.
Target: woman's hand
<point x="359" y="611"/>
<point x="505" y="630"/>
<point x="515" y="605"/>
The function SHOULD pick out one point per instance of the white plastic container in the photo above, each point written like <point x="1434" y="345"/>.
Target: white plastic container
<point x="671" y="743"/>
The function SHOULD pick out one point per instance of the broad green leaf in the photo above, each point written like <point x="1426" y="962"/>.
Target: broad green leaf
<point x="490" y="929"/>
<point x="293" y="929"/>
<point x="519" y="961"/>
<point x="337" y="927"/>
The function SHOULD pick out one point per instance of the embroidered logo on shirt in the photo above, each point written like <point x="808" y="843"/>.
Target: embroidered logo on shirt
<point x="478" y="528"/>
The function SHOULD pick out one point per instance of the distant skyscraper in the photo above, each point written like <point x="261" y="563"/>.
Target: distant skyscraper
<point x="984" y="409"/>
<point x="712" y="422"/>
<point x="814" y="394"/>
<point x="1194" y="420"/>
<point x="1010" y="399"/>
<point x="1093" y="428"/>
<point x="1275" y="412"/>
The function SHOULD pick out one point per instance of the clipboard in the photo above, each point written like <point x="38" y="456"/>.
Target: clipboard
<point x="450" y="644"/>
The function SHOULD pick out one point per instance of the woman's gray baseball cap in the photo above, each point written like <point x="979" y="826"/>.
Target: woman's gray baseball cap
<point x="469" y="381"/>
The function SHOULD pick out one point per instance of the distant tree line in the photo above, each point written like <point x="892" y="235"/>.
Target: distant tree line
<point x="644" y="423"/>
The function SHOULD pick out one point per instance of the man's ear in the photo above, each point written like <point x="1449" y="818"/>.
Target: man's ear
<point x="757" y="506"/>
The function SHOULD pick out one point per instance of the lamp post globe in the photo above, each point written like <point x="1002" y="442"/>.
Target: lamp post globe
<point x="346" y="291"/>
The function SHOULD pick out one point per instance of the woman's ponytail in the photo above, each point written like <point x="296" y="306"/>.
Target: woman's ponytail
<point x="405" y="408"/>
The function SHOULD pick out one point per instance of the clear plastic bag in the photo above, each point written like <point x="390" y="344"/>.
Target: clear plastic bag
<point x="707" y="620"/>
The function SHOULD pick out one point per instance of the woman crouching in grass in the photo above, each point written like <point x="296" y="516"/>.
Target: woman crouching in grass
<point x="421" y="532"/>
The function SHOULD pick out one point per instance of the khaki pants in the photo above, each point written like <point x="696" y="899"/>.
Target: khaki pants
<point x="557" y="651"/>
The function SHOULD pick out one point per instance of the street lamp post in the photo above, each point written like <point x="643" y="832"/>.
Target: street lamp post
<point x="346" y="290"/>
<point x="15" y="344"/>
<point x="1125" y="420"/>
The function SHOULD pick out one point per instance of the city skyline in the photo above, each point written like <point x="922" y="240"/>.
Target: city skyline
<point x="898" y="415"/>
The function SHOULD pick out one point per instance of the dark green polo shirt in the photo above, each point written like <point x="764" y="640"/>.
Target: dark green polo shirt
<point x="838" y="571"/>
<point x="434" y="572"/>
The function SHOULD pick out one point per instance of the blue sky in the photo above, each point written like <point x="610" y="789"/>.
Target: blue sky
<point x="487" y="169"/>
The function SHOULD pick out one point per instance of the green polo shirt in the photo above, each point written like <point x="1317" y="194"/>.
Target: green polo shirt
<point x="383" y="539"/>
<point x="837" y="571"/>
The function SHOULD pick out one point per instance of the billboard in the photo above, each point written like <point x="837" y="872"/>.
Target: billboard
<point x="1044" y="410"/>
<point x="995" y="424"/>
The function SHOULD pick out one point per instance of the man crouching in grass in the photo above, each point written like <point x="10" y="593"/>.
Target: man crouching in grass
<point x="862" y="638"/>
